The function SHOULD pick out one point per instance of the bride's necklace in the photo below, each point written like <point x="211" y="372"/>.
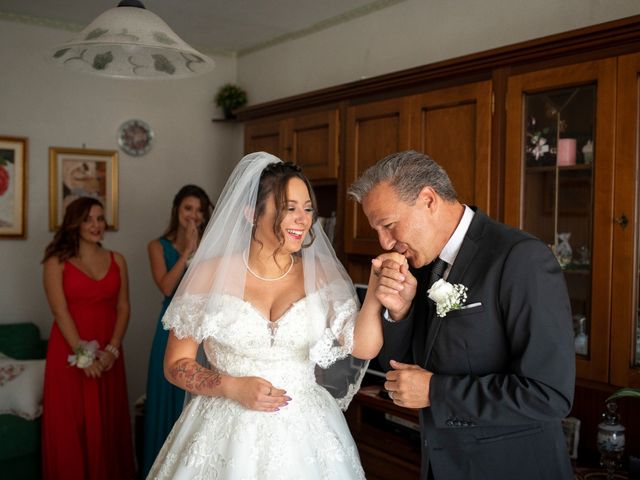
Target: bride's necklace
<point x="246" y="264"/>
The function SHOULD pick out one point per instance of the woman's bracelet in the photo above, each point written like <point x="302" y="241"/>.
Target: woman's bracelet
<point x="112" y="350"/>
<point x="85" y="354"/>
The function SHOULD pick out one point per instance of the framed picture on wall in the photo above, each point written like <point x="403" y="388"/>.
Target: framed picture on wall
<point x="82" y="172"/>
<point x="13" y="185"/>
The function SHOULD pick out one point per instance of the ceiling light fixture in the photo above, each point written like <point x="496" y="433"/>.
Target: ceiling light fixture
<point x="129" y="41"/>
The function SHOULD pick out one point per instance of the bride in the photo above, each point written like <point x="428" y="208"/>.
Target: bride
<point x="278" y="318"/>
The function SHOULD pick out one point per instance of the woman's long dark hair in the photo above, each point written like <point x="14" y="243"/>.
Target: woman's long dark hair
<point x="66" y="241"/>
<point x="205" y="204"/>
<point x="274" y="180"/>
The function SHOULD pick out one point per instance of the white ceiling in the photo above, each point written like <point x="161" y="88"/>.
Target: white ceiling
<point x="211" y="25"/>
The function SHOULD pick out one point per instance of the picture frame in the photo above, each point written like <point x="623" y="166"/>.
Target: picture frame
<point x="13" y="187"/>
<point x="82" y="172"/>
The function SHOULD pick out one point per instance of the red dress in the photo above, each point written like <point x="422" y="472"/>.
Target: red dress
<point x="86" y="429"/>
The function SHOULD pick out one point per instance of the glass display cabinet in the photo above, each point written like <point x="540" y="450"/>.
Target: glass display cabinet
<point x="559" y="173"/>
<point x="625" y="336"/>
<point x="558" y="188"/>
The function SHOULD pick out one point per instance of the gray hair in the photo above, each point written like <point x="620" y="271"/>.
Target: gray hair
<point x="408" y="173"/>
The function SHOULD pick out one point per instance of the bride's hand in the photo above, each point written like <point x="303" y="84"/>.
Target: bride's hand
<point x="256" y="393"/>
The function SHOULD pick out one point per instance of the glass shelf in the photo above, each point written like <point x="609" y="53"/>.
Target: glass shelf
<point x="558" y="189"/>
<point x="570" y="270"/>
<point x="551" y="168"/>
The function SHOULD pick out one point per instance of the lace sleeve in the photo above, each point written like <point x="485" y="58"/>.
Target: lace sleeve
<point x="187" y="317"/>
<point x="336" y="370"/>
<point x="336" y="341"/>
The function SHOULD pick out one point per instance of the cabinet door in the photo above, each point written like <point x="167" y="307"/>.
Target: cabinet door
<point x="559" y="175"/>
<point x="625" y="336"/>
<point x="312" y="142"/>
<point x="453" y="126"/>
<point x="264" y="136"/>
<point x="374" y="130"/>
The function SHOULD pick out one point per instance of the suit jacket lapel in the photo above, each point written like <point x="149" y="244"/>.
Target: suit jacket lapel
<point x="465" y="256"/>
<point x="463" y="260"/>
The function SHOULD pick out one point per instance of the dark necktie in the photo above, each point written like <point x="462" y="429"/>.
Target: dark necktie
<point x="437" y="270"/>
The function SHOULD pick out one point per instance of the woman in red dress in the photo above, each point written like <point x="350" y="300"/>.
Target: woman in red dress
<point x="86" y="429"/>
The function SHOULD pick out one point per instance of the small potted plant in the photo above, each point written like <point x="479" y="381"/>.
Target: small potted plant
<point x="230" y="97"/>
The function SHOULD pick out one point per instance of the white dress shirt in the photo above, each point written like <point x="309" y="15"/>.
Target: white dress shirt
<point x="452" y="247"/>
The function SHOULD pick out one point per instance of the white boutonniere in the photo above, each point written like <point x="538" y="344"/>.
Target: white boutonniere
<point x="447" y="296"/>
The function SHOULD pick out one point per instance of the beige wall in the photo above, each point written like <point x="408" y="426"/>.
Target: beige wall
<point x="409" y="34"/>
<point x="52" y="107"/>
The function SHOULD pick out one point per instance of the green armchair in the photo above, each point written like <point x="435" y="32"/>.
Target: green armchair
<point x="20" y="438"/>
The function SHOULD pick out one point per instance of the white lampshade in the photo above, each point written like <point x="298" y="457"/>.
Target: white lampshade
<point x="129" y="41"/>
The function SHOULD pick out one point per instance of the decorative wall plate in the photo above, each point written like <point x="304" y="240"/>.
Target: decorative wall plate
<point x="135" y="137"/>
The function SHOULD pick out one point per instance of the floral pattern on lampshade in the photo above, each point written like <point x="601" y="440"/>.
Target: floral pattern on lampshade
<point x="129" y="42"/>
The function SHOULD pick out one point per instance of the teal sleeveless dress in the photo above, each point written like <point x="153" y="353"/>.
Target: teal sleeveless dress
<point x="164" y="400"/>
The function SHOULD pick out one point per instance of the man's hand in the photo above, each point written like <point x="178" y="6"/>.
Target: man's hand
<point x="393" y="283"/>
<point x="408" y="385"/>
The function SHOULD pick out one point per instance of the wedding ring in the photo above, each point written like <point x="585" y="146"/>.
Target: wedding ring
<point x="391" y="395"/>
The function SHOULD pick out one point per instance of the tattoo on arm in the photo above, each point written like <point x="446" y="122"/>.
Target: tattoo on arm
<point x="196" y="378"/>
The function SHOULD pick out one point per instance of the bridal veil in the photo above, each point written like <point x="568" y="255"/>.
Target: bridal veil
<point x="218" y="271"/>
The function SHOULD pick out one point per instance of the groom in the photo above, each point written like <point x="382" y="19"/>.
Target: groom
<point x="492" y="374"/>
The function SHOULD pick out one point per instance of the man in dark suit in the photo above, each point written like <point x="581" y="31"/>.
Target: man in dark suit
<point x="493" y="373"/>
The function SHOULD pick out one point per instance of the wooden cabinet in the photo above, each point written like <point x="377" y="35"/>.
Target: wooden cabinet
<point x="473" y="115"/>
<point x="310" y="140"/>
<point x="453" y="126"/>
<point x="265" y="136"/>
<point x="553" y="196"/>
<point x="549" y="197"/>
<point x="596" y="102"/>
<point x="374" y="130"/>
<point x="625" y="328"/>
<point x="596" y="200"/>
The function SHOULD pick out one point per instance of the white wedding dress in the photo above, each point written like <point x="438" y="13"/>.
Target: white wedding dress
<point x="217" y="438"/>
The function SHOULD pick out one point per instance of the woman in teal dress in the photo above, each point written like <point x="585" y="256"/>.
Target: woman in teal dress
<point x="169" y="256"/>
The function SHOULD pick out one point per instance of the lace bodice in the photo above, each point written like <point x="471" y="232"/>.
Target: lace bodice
<point x="240" y="341"/>
<point x="251" y="345"/>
